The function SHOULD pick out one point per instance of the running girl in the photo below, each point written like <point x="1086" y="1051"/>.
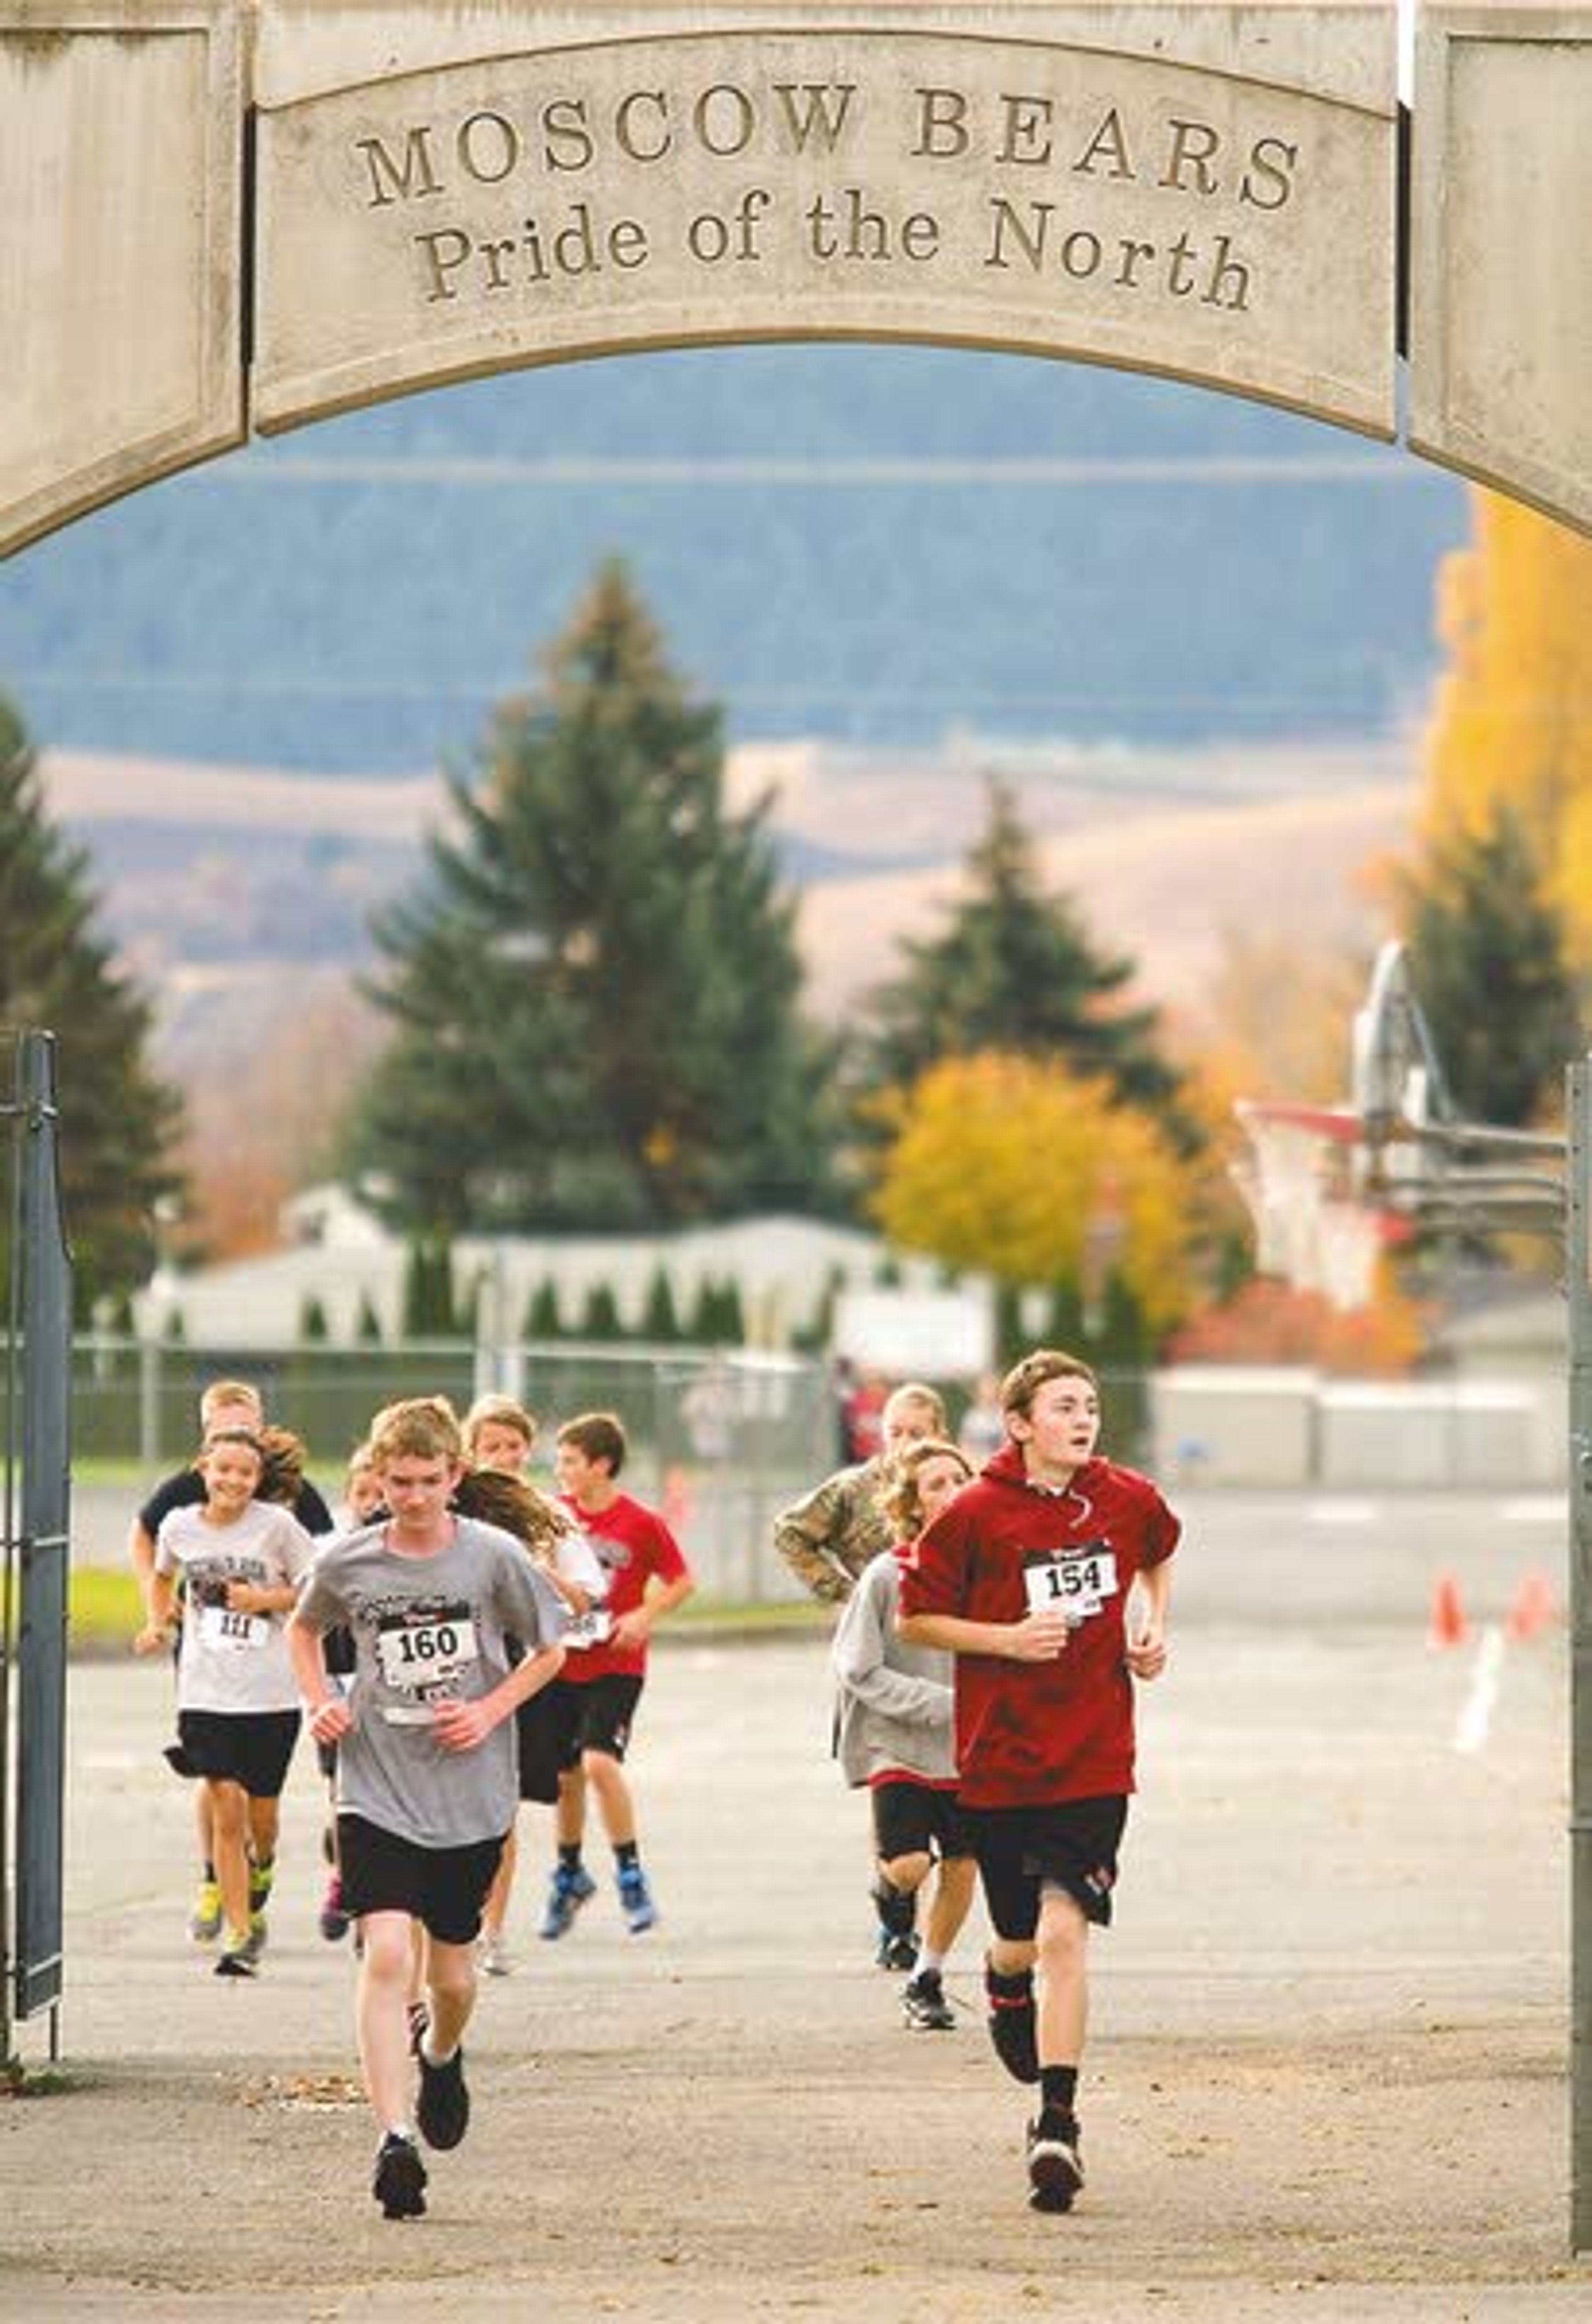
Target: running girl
<point x="237" y="1561"/>
<point x="893" y="1733"/>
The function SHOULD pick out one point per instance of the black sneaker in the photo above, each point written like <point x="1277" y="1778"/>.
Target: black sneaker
<point x="1056" y="2166"/>
<point x="237" y="1957"/>
<point x="443" y="2109"/>
<point x="896" y="1944"/>
<point x="399" y="2183"/>
<point x="923" y="2004"/>
<point x="895" y="1948"/>
<point x="1013" y="2030"/>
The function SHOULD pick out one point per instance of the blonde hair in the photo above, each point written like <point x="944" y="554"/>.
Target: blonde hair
<point x="219" y="1392"/>
<point x="899" y="1498"/>
<point x="418" y="1428"/>
<point x="919" y="1393"/>
<point x="505" y="1411"/>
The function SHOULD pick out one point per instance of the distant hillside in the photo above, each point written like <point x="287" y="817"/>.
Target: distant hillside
<point x="880" y="546"/>
<point x="1168" y="891"/>
<point x="242" y="896"/>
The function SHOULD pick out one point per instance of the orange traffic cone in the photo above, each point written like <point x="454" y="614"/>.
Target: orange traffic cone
<point x="1449" y="1626"/>
<point x="1533" y="1608"/>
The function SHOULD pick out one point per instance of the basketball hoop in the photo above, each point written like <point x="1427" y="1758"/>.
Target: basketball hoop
<point x="1331" y="1187"/>
<point x="1297" y="1181"/>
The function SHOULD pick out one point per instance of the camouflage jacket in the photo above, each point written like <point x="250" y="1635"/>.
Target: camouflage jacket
<point x="831" y="1533"/>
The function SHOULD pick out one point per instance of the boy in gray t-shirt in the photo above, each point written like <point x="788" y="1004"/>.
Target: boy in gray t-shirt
<point x="428" y="1780"/>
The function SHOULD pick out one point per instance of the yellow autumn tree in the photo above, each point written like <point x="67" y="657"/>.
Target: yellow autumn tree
<point x="1513" y="718"/>
<point x="1016" y="1168"/>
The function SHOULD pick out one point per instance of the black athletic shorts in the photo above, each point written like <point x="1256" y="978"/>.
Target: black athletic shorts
<point x="1072" y="1844"/>
<point x="916" y="1820"/>
<point x="603" y="1710"/>
<point x="547" y="1726"/>
<point x="443" y="1888"/>
<point x="251" y="1748"/>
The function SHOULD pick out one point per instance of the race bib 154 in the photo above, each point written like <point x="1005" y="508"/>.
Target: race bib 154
<point x="1076" y="1581"/>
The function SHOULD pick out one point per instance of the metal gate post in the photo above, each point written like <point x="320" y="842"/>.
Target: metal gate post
<point x="1579" y="1289"/>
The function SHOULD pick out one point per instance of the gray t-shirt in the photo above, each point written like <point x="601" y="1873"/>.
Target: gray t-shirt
<point x="426" y="1628"/>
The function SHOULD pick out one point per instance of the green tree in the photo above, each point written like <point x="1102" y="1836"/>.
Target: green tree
<point x="661" y="1318"/>
<point x="595" y="994"/>
<point x="1015" y="971"/>
<point x="600" y="1318"/>
<point x="367" y="1324"/>
<point x="544" y="1319"/>
<point x="119" y="1119"/>
<point x="428" y="1311"/>
<point x="313" y="1324"/>
<point x="717" y="1317"/>
<point x="1489" y="959"/>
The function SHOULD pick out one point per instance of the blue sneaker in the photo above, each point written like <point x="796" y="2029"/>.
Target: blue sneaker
<point x="635" y="1899"/>
<point x="566" y="1892"/>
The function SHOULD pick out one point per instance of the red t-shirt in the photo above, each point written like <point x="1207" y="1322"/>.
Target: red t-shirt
<point x="633" y="1544"/>
<point x="1031" y="1733"/>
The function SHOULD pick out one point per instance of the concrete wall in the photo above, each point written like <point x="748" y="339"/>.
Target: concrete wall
<point x="1222" y="1425"/>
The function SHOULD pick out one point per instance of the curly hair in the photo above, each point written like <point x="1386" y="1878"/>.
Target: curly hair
<point x="898" y="1497"/>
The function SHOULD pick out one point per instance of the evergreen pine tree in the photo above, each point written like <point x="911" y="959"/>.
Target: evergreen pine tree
<point x="313" y="1325"/>
<point x="595" y="996"/>
<point x="367" y="1324"/>
<point x="600" y="1318"/>
<point x="702" y="1328"/>
<point x="1015" y="971"/>
<point x="429" y="1290"/>
<point x="731" y="1315"/>
<point x="118" y="1121"/>
<point x="1065" y="1324"/>
<point x="1011" y="1336"/>
<point x="660" y="1320"/>
<point x="543" y="1317"/>
<point x="1487" y="957"/>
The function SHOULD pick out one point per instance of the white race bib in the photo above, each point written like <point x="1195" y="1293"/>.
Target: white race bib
<point x="593" y="1629"/>
<point x="433" y="1654"/>
<point x="220" y="1627"/>
<point x="1077" y="1582"/>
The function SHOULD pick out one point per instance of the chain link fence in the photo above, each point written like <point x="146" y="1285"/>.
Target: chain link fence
<point x="719" y="1440"/>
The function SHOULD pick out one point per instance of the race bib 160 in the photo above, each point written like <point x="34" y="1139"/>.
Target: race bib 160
<point x="433" y="1655"/>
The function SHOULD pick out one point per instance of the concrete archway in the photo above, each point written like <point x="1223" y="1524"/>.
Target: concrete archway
<point x="229" y="215"/>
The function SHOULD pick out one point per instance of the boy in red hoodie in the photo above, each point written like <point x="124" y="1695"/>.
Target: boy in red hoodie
<point x="1048" y="1579"/>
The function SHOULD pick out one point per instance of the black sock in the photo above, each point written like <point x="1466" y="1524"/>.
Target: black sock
<point x="897" y="1907"/>
<point x="625" y="1853"/>
<point x="1017" y="1987"/>
<point x="1058" y="2089"/>
<point x="569" y="1855"/>
<point x="209" y="1873"/>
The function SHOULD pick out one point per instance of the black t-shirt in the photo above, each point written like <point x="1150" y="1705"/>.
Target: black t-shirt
<point x="187" y="1487"/>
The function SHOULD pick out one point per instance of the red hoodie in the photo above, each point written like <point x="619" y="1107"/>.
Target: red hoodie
<point x="1031" y="1733"/>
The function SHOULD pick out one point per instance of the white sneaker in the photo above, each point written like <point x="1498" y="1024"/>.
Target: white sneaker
<point x="495" y="1958"/>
